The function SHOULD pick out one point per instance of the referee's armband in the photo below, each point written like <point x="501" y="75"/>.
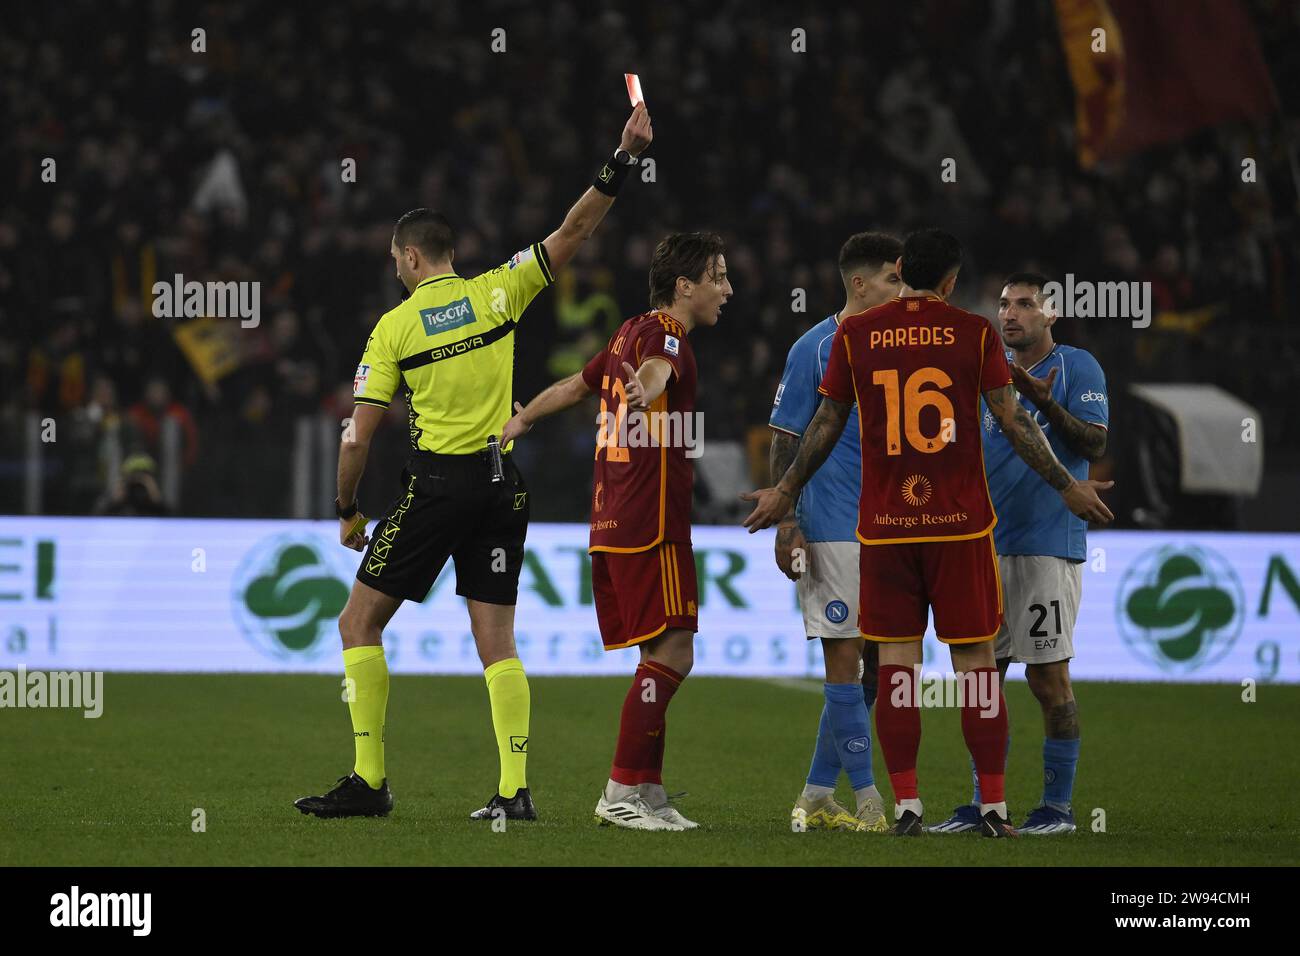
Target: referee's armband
<point x="611" y="176"/>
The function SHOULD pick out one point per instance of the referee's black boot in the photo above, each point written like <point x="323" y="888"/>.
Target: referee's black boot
<point x="351" y="797"/>
<point x="518" y="807"/>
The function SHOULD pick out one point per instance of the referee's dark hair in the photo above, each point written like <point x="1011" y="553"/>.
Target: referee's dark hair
<point x="689" y="254"/>
<point x="872" y="249"/>
<point x="929" y="257"/>
<point x="428" y="231"/>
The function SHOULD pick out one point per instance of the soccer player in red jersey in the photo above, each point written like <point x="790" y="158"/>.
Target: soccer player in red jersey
<point x="917" y="367"/>
<point x="642" y="566"/>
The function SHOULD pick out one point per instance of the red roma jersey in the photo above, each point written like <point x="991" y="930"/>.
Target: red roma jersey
<point x="641" y="494"/>
<point x="917" y="367"/>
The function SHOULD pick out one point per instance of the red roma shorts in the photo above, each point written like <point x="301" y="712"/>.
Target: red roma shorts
<point x="959" y="579"/>
<point x="641" y="594"/>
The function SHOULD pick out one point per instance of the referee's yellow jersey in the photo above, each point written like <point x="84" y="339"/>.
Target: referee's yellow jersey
<point x="451" y="344"/>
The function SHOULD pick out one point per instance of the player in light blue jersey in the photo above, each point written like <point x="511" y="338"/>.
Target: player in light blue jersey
<point x="1041" y="545"/>
<point x="816" y="546"/>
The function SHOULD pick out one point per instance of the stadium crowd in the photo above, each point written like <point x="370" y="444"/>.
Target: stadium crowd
<point x="230" y="164"/>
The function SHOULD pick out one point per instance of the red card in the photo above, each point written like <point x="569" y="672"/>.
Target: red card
<point x="633" y="88"/>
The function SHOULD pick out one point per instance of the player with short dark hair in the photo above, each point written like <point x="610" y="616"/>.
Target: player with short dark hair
<point x="642" y="564"/>
<point x="816" y="548"/>
<point x="450" y="346"/>
<point x="1041" y="545"/>
<point x="917" y="367"/>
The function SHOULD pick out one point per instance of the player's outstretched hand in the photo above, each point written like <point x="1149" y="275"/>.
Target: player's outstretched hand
<point x="352" y="532"/>
<point x="515" y="428"/>
<point x="635" y="390"/>
<point x="789" y="540"/>
<point x="637" y="134"/>
<point x="1037" y="390"/>
<point x="1082" y="500"/>
<point x="773" y="505"/>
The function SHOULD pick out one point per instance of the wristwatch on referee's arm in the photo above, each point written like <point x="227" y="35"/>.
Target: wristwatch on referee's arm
<point x="348" y="512"/>
<point x="614" y="172"/>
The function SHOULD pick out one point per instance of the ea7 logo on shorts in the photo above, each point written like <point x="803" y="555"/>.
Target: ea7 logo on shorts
<point x="1046" y="645"/>
<point x="837" y="612"/>
<point x="450" y="316"/>
<point x="671" y="345"/>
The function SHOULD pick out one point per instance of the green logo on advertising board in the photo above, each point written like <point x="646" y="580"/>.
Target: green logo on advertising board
<point x="1180" y="608"/>
<point x="288" y="596"/>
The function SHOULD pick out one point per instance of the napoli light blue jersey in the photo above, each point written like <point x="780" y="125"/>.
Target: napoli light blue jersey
<point x="1032" y="518"/>
<point x="828" y="505"/>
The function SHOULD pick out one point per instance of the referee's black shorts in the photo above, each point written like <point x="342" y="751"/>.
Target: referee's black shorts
<point x="450" y="508"/>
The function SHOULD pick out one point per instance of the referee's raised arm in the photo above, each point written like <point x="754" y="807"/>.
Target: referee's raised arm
<point x="586" y="214"/>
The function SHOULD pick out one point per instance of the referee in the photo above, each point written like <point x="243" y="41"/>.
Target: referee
<point x="450" y="346"/>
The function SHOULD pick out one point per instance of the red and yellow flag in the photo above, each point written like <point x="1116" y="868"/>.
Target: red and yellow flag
<point x="1151" y="71"/>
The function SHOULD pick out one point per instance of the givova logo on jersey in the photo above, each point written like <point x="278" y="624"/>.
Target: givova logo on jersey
<point x="450" y="316"/>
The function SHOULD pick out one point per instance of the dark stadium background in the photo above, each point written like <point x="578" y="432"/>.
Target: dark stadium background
<point x="784" y="153"/>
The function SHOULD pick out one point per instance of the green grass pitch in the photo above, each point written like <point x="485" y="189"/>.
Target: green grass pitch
<point x="1186" y="775"/>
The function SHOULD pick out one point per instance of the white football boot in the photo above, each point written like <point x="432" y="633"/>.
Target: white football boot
<point x="671" y="814"/>
<point x="632" y="814"/>
<point x="661" y="805"/>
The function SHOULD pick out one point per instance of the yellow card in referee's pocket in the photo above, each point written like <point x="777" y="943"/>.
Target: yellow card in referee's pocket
<point x="358" y="525"/>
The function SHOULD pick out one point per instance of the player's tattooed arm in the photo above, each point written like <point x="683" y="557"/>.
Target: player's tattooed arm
<point x="814" y="447"/>
<point x="1026" y="437"/>
<point x="784" y="449"/>
<point x="1031" y="445"/>
<point x="1084" y="438"/>
<point x="789" y="537"/>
